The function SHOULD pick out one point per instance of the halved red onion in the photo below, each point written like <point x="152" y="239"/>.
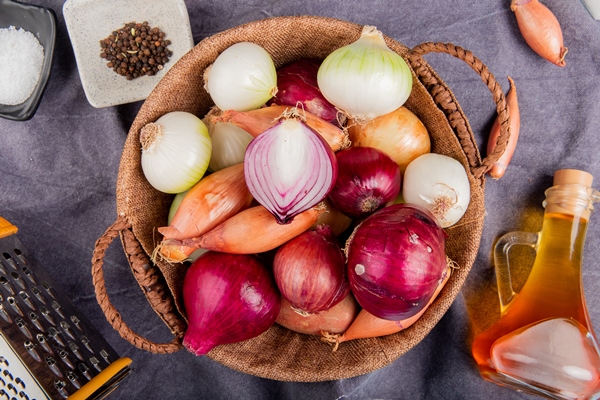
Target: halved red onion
<point x="297" y="83"/>
<point x="289" y="168"/>
<point x="396" y="259"/>
<point x="228" y="298"/>
<point x="310" y="271"/>
<point x="368" y="179"/>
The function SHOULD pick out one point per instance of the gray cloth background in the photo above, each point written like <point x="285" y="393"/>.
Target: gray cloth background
<point x="58" y="174"/>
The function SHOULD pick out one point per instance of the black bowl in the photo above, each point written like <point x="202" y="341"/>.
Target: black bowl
<point x="41" y="22"/>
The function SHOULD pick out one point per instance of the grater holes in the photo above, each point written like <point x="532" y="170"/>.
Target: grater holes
<point x="18" y="280"/>
<point x="55" y="334"/>
<point x="36" y="292"/>
<point x="20" y="256"/>
<point x="74" y="380"/>
<point x="30" y="347"/>
<point x="46" y="314"/>
<point x="67" y="329"/>
<point x="29" y="274"/>
<point x="22" y="325"/>
<point x="35" y="320"/>
<point x="44" y="343"/>
<point x="26" y="299"/>
<point x="23" y="395"/>
<point x="61" y="387"/>
<point x="85" y="370"/>
<point x="9" y="260"/>
<point x="15" y="306"/>
<point x="5" y="316"/>
<point x="51" y="363"/>
<point x="6" y="284"/>
<point x="49" y="289"/>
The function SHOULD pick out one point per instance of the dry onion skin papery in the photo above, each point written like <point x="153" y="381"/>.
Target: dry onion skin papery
<point x="176" y="150"/>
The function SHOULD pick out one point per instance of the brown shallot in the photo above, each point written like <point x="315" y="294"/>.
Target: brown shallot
<point x="211" y="201"/>
<point x="499" y="167"/>
<point x="540" y="29"/>
<point x="334" y="320"/>
<point x="253" y="230"/>
<point x="257" y="121"/>
<point x="366" y="325"/>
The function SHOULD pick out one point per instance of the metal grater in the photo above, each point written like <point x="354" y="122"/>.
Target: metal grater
<point x="48" y="349"/>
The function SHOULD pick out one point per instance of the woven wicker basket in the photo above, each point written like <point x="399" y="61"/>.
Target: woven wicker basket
<point x="279" y="353"/>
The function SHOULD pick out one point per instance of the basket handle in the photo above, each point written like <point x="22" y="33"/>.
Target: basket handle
<point x="448" y="103"/>
<point x="147" y="277"/>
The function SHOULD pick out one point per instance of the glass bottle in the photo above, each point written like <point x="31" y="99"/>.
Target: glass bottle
<point x="544" y="342"/>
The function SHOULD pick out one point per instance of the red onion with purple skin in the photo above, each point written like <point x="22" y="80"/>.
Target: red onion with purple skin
<point x="228" y="298"/>
<point x="310" y="271"/>
<point x="396" y="259"/>
<point x="297" y="83"/>
<point x="368" y="179"/>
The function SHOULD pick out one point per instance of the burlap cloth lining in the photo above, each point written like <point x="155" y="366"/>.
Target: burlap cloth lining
<point x="279" y="353"/>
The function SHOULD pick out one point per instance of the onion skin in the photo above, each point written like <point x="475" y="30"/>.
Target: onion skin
<point x="297" y="83"/>
<point x="396" y="259"/>
<point x="334" y="320"/>
<point x="257" y="121"/>
<point x="251" y="231"/>
<point x="366" y="325"/>
<point x="334" y="218"/>
<point x="499" y="168"/>
<point x="367" y="180"/>
<point x="540" y="29"/>
<point x="228" y="298"/>
<point x="310" y="271"/>
<point x="399" y="134"/>
<point x="211" y="201"/>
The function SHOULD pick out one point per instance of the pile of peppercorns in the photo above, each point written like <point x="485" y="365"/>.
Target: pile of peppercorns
<point x="136" y="50"/>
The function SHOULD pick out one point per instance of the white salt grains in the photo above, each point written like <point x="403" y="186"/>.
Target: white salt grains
<point x="21" y="59"/>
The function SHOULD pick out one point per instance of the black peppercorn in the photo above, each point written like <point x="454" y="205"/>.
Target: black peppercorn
<point x="136" y="50"/>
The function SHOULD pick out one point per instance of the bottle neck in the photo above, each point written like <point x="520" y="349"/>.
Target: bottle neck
<point x="572" y="200"/>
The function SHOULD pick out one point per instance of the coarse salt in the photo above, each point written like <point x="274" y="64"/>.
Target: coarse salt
<point x="21" y="59"/>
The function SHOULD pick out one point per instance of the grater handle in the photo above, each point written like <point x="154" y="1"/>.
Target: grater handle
<point x="141" y="266"/>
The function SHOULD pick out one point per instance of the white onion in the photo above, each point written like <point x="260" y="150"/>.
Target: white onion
<point x="229" y="143"/>
<point x="365" y="79"/>
<point x="439" y="183"/>
<point x="242" y="78"/>
<point x="175" y="151"/>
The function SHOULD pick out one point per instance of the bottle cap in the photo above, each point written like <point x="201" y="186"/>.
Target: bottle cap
<point x="572" y="176"/>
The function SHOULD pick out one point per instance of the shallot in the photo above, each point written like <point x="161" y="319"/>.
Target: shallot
<point x="540" y="29"/>
<point x="512" y="104"/>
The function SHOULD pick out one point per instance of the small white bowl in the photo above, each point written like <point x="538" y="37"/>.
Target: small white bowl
<point x="90" y="21"/>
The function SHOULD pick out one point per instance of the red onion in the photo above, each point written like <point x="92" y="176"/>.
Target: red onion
<point x="289" y="168"/>
<point x="297" y="83"/>
<point x="310" y="271"/>
<point x="228" y="298"/>
<point x="396" y="259"/>
<point x="368" y="179"/>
